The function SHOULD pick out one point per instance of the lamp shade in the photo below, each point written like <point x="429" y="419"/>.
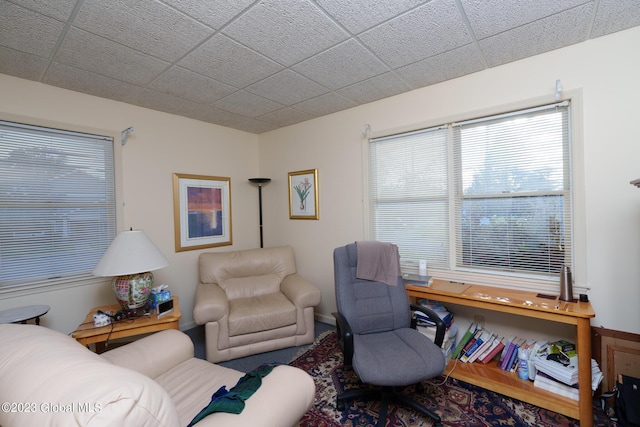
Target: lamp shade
<point x="129" y="260"/>
<point x="130" y="252"/>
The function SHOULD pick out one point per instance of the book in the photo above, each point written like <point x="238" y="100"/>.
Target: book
<point x="430" y="331"/>
<point x="511" y="355"/>
<point x="417" y="280"/>
<point x="471" y="341"/>
<point x="513" y="364"/>
<point x="496" y="347"/>
<point x="481" y="338"/>
<point x="464" y="340"/>
<point x="481" y="349"/>
<point x="545" y="382"/>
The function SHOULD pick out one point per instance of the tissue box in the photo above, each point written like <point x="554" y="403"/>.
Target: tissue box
<point x="158" y="297"/>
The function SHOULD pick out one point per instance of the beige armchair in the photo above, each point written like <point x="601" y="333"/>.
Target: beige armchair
<point x="252" y="301"/>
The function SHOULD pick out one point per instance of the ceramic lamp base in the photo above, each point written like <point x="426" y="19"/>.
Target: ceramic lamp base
<point x="133" y="290"/>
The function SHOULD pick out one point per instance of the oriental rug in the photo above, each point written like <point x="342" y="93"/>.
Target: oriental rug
<point x="456" y="402"/>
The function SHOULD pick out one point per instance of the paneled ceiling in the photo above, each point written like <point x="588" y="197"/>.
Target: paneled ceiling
<point x="260" y="65"/>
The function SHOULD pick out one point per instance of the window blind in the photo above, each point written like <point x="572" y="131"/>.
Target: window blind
<point x="57" y="203"/>
<point x="409" y="194"/>
<point x="490" y="195"/>
<point x="513" y="191"/>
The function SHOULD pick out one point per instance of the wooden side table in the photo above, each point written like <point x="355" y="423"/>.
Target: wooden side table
<point x="23" y="314"/>
<point x="86" y="333"/>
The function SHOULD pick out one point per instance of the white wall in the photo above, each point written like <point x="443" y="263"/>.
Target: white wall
<point x="162" y="144"/>
<point x="604" y="70"/>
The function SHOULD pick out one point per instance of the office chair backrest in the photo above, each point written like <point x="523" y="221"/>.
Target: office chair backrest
<point x="368" y="306"/>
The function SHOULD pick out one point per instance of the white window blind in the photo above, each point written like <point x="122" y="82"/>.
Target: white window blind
<point x="409" y="194"/>
<point x="57" y="204"/>
<point x="503" y="181"/>
<point x="513" y="191"/>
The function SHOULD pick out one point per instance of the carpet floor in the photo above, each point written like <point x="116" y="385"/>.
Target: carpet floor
<point x="456" y="402"/>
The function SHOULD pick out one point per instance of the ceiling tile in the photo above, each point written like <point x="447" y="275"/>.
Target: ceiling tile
<point x="342" y="65"/>
<point x="87" y="82"/>
<point x="20" y="64"/>
<point x="287" y="31"/>
<point x="287" y="88"/>
<point x="229" y="62"/>
<point x="357" y="16"/>
<point x="488" y="21"/>
<point x="446" y="66"/>
<point x="58" y="9"/>
<point x="163" y="102"/>
<point x="214" y="14"/>
<point x="325" y="104"/>
<point x="92" y="53"/>
<point x="417" y="35"/>
<point x="547" y="34"/>
<point x="615" y="15"/>
<point x="375" y="88"/>
<point x="285" y="117"/>
<point x="186" y="84"/>
<point x="27" y="31"/>
<point x="160" y="30"/>
<point x="247" y="104"/>
<point x="254" y="126"/>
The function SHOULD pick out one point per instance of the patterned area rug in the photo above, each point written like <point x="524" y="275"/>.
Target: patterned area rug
<point x="456" y="402"/>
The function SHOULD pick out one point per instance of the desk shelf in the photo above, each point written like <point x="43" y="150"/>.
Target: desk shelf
<point x="492" y="378"/>
<point x="528" y="304"/>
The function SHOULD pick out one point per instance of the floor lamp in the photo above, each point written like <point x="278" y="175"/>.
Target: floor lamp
<point x="260" y="181"/>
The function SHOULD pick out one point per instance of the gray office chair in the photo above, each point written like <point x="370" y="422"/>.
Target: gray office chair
<point x="374" y="328"/>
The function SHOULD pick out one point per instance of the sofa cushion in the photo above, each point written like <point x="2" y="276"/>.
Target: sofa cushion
<point x="260" y="313"/>
<point x="71" y="386"/>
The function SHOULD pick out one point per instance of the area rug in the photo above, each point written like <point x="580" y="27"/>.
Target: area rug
<point x="456" y="402"/>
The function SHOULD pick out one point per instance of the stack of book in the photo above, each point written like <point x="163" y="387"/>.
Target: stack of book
<point x="557" y="370"/>
<point x="478" y="344"/>
<point x="427" y="327"/>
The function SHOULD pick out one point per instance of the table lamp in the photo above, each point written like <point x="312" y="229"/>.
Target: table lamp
<point x="130" y="259"/>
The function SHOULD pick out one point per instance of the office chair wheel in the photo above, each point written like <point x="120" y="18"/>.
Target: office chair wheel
<point x="340" y="406"/>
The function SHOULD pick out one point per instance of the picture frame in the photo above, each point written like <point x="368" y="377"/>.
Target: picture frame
<point x="201" y="211"/>
<point x="303" y="194"/>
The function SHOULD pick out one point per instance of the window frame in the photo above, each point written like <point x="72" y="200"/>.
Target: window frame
<point x="37" y="287"/>
<point x="501" y="279"/>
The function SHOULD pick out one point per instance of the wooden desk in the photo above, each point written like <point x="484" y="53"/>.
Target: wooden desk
<point x="524" y="303"/>
<point x="87" y="333"/>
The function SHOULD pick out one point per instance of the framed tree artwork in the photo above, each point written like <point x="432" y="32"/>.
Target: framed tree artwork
<point x="202" y="211"/>
<point x="303" y="194"/>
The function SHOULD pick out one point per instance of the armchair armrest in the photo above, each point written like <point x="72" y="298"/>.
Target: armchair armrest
<point x="300" y="291"/>
<point x="441" y="327"/>
<point x="211" y="303"/>
<point x="153" y="354"/>
<point x="345" y="337"/>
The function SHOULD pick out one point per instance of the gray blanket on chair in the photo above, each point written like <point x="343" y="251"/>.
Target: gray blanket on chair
<point x="378" y="261"/>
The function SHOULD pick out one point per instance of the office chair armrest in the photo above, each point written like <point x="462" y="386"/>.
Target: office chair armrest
<point x="345" y="337"/>
<point x="441" y="327"/>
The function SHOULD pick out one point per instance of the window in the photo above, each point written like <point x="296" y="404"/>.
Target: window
<point x="490" y="195"/>
<point x="57" y="204"/>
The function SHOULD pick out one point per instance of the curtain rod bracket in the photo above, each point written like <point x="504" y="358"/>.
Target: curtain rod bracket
<point x="125" y="134"/>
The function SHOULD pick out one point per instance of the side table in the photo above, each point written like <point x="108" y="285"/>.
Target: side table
<point x="86" y="333"/>
<point x="23" y="314"/>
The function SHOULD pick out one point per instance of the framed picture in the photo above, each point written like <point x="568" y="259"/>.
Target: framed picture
<point x="201" y="211"/>
<point x="303" y="194"/>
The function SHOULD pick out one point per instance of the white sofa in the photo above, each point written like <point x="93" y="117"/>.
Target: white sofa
<point x="252" y="301"/>
<point x="49" y="379"/>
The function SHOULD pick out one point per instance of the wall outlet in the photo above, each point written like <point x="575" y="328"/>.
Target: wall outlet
<point x="479" y="319"/>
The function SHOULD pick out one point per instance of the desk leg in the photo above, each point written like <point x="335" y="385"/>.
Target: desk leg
<point x="583" y="343"/>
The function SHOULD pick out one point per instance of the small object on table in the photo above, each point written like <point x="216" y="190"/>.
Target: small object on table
<point x="23" y="314"/>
